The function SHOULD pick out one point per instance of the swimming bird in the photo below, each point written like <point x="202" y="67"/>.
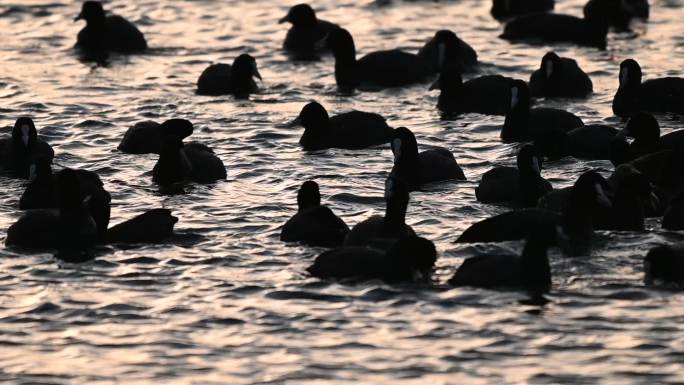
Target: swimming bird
<point x="179" y="163"/>
<point x="523" y="123"/>
<point x="552" y="27"/>
<point x="591" y="142"/>
<point x="380" y="69"/>
<point x="42" y="193"/>
<point x="530" y="270"/>
<point x="349" y="130"/>
<point x="314" y="224"/>
<point x="664" y="263"/>
<point x="416" y="169"/>
<point x="307" y="33"/>
<point x="587" y="193"/>
<point x="645" y="130"/>
<point x="70" y="227"/>
<point x="388" y="228"/>
<point x="522" y="186"/>
<point x="445" y="51"/>
<point x="503" y="9"/>
<point x="409" y="259"/>
<point x="107" y="33"/>
<point x="622" y="12"/>
<point x="224" y="79"/>
<point x="152" y="226"/>
<point x="559" y="77"/>
<point x="654" y="95"/>
<point x="17" y="151"/>
<point x="489" y="94"/>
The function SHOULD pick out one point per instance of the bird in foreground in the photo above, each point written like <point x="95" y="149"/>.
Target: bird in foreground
<point x="530" y="270"/>
<point x="313" y="224"/>
<point x="409" y="259"/>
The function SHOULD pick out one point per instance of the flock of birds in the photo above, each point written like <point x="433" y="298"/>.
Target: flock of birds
<point x="69" y="211"/>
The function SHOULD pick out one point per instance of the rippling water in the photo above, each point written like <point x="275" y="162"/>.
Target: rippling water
<point x="225" y="302"/>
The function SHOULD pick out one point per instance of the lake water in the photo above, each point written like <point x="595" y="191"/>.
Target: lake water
<point x="225" y="302"/>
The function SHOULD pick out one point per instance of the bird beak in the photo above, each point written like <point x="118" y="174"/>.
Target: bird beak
<point x="434" y="86"/>
<point x="257" y="74"/>
<point x="284" y="19"/>
<point x="653" y="202"/>
<point x="79" y="17"/>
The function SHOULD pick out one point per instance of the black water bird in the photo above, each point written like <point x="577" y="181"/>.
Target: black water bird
<point x="524" y="123"/>
<point x="381" y="230"/>
<point x="21" y="148"/>
<point x="576" y="218"/>
<point x="446" y="51"/>
<point x="313" y="224"/>
<point x="411" y="258"/>
<point x="489" y="94"/>
<point x="559" y="77"/>
<point x="224" y="79"/>
<point x="522" y="185"/>
<point x="416" y="169"/>
<point x="180" y="163"/>
<point x="107" y="33"/>
<point x="654" y="95"/>
<point x="503" y="9"/>
<point x="552" y="27"/>
<point x="530" y="270"/>
<point x="348" y="130"/>
<point x="307" y="34"/>
<point x="380" y="69"/>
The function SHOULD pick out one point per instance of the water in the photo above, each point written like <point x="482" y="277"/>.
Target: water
<point x="225" y="302"/>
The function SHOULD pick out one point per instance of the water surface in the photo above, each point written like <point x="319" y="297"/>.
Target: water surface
<point x="225" y="302"/>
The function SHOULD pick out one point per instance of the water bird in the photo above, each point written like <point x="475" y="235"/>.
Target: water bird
<point x="489" y="94"/>
<point x="107" y="33"/>
<point x="308" y="33"/>
<point x="559" y="77"/>
<point x="313" y="224"/>
<point x="445" y="51"/>
<point x="348" y="130"/>
<point x="653" y="95"/>
<point x="24" y="145"/>
<point x="380" y="69"/>
<point x="411" y="258"/>
<point x="383" y="230"/>
<point x="224" y="79"/>
<point x="416" y="169"/>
